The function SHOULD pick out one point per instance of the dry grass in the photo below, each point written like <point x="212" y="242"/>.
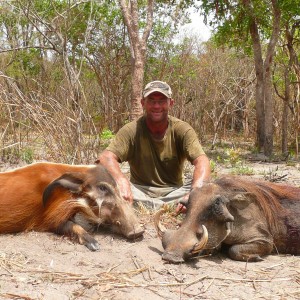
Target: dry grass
<point x="40" y="126"/>
<point x="16" y="265"/>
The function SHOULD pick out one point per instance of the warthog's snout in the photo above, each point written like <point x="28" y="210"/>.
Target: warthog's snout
<point x="181" y="252"/>
<point x="181" y="244"/>
<point x="136" y="232"/>
<point x="172" y="257"/>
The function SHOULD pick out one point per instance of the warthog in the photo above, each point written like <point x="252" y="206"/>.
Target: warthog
<point x="64" y="199"/>
<point x="250" y="218"/>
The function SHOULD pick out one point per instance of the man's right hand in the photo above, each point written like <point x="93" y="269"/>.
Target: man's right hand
<point x="111" y="162"/>
<point x="125" y="190"/>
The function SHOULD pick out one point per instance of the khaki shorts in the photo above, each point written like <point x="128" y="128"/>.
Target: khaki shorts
<point x="154" y="197"/>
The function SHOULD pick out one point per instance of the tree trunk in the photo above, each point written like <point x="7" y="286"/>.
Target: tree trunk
<point x="259" y="89"/>
<point x="137" y="87"/>
<point x="294" y="64"/>
<point x="269" y="101"/>
<point x="264" y="99"/>
<point x="269" y="110"/>
<point x="138" y="45"/>
<point x="284" y="124"/>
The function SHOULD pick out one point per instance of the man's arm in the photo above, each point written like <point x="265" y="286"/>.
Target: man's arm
<point x="111" y="162"/>
<point x="200" y="176"/>
<point x="202" y="171"/>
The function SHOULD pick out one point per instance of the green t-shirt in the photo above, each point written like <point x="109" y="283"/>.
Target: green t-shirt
<point x="156" y="163"/>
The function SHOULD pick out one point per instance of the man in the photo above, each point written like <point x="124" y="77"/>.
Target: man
<point x="156" y="147"/>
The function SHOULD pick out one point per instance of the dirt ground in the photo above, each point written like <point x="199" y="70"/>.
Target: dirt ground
<point x="46" y="266"/>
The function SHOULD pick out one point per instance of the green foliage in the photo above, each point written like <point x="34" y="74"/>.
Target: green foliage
<point x="232" y="19"/>
<point x="241" y="168"/>
<point x="14" y="154"/>
<point x="106" y="134"/>
<point x="57" y="74"/>
<point x="233" y="156"/>
<point x="213" y="165"/>
<point x="27" y="155"/>
<point x="96" y="45"/>
<point x="25" y="63"/>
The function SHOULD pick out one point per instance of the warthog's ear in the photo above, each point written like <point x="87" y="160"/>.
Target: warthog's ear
<point x="241" y="200"/>
<point x="221" y="211"/>
<point x="69" y="181"/>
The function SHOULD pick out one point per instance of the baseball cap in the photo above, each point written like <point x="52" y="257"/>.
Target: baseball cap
<point x="157" y="86"/>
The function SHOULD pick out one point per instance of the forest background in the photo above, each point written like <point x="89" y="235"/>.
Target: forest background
<point x="72" y="73"/>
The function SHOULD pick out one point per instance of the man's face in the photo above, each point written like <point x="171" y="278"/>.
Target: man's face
<point x="156" y="106"/>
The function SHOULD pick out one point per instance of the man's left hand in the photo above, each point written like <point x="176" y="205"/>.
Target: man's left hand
<point x="180" y="209"/>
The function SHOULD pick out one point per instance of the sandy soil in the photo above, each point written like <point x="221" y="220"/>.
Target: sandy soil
<point x="46" y="266"/>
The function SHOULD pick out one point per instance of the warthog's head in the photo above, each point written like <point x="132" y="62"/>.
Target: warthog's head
<point x="206" y="225"/>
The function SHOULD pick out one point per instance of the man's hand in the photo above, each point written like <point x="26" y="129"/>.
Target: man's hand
<point x="125" y="190"/>
<point x="181" y="209"/>
<point x="111" y="162"/>
<point x="200" y="176"/>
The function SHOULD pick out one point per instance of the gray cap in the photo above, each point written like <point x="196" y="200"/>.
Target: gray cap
<point x="157" y="86"/>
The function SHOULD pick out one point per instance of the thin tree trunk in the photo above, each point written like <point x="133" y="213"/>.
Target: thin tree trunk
<point x="269" y="101"/>
<point x="138" y="45"/>
<point x="284" y="124"/>
<point x="264" y="99"/>
<point x="269" y="111"/>
<point x="294" y="63"/>
<point x="137" y="87"/>
<point x="259" y="89"/>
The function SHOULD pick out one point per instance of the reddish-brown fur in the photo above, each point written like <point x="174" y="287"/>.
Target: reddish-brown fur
<point x="64" y="199"/>
<point x="268" y="195"/>
<point x="21" y="191"/>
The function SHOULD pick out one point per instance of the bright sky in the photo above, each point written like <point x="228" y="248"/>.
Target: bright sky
<point x="198" y="27"/>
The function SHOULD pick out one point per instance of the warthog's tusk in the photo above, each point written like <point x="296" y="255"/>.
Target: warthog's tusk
<point x="158" y="226"/>
<point x="201" y="244"/>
